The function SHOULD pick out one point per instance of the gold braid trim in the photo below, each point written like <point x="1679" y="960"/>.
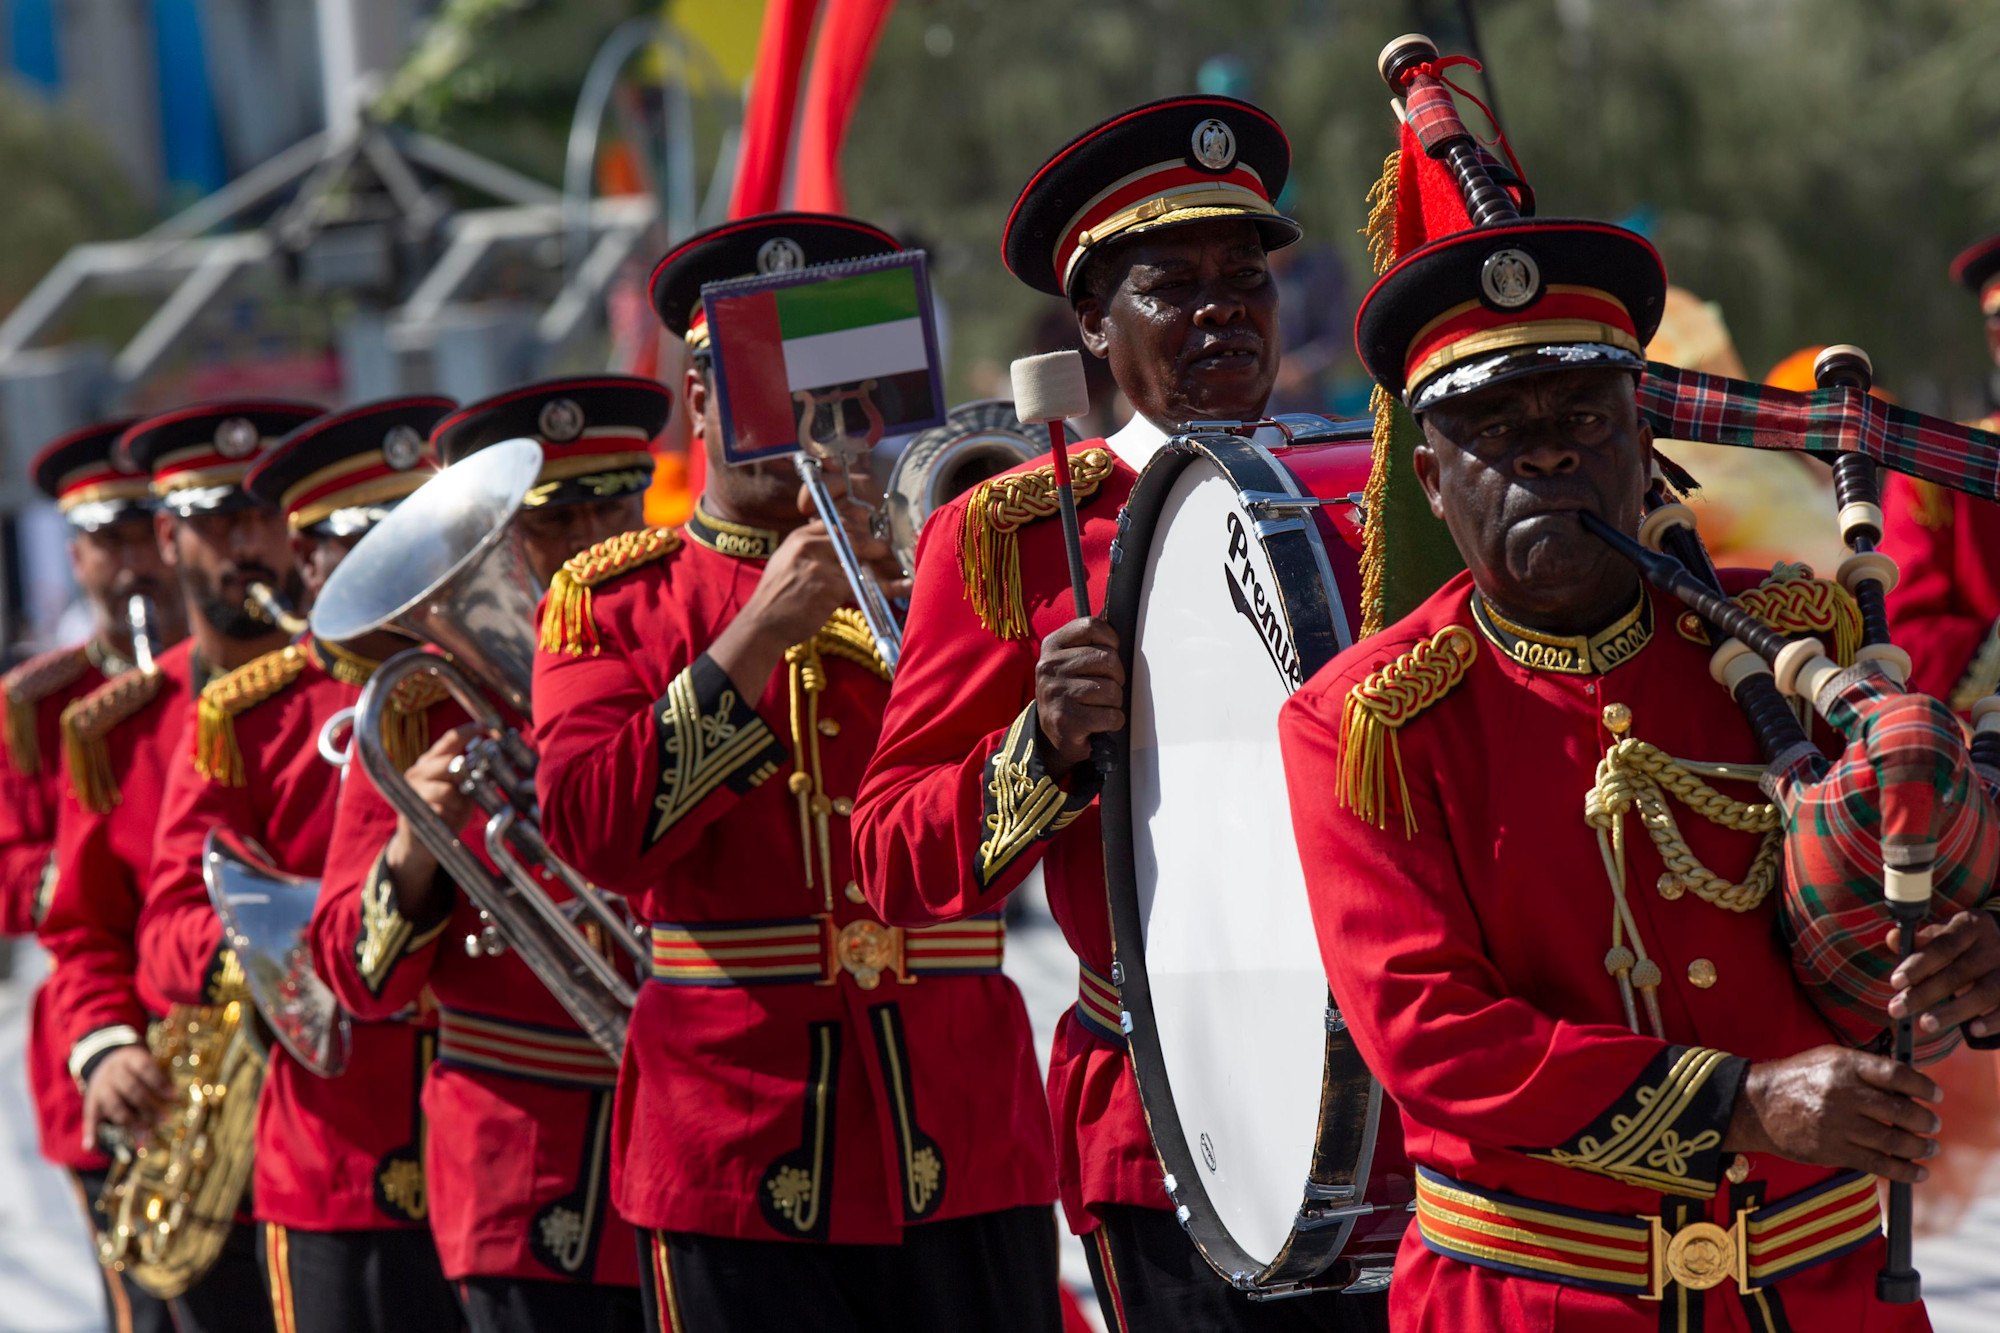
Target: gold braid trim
<point x="25" y="687"/>
<point x="87" y="722"/>
<point x="1792" y="601"/>
<point x="844" y="635"/>
<point x="1637" y="773"/>
<point x="567" y="626"/>
<point x="1376" y="710"/>
<point x="989" y="549"/>
<point x="215" y="754"/>
<point x="1381" y="234"/>
<point x="349" y="668"/>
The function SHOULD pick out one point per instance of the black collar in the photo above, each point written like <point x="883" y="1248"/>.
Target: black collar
<point x="737" y="539"/>
<point x="1569" y="655"/>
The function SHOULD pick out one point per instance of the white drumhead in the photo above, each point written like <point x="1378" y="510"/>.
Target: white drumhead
<point x="1239" y="995"/>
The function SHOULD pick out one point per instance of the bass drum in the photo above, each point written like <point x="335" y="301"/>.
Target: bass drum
<point x="1235" y="578"/>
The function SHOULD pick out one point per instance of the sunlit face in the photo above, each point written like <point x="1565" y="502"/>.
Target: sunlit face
<point x="219" y="555"/>
<point x="552" y="534"/>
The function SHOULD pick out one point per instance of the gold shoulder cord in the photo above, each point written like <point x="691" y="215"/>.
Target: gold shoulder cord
<point x="1635" y="773"/>
<point x="845" y="635"/>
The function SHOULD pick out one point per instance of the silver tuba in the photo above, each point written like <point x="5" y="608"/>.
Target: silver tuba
<point x="977" y="440"/>
<point x="447" y="568"/>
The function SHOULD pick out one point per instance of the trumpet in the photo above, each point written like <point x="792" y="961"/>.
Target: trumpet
<point x="139" y="619"/>
<point x="446" y="569"/>
<point x="876" y="609"/>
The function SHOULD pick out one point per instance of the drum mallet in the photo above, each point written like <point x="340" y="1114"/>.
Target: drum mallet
<point x="1050" y="388"/>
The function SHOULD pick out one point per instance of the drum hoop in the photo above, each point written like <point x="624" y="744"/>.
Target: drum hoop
<point x="1319" y="632"/>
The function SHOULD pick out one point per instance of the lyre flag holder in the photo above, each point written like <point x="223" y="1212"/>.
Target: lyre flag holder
<point x="833" y="356"/>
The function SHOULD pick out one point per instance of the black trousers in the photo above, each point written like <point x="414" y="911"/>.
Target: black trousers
<point x="1151" y="1279"/>
<point x="356" y="1282"/>
<point x="989" y="1273"/>
<point x="526" y="1305"/>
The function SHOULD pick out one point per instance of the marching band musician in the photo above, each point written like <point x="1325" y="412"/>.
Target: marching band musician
<point x="1155" y="225"/>
<point x="338" y="1186"/>
<point x="796" y="1071"/>
<point x="521" y="1188"/>
<point x="1706" y="1159"/>
<point x="118" y="743"/>
<point x="1946" y="609"/>
<point x="108" y="506"/>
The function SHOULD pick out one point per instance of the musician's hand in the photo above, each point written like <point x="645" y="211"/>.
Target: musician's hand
<point x="412" y="870"/>
<point x="1952" y="978"/>
<point x="801" y="586"/>
<point x="126" y="1087"/>
<point x="1833" y="1106"/>
<point x="1079" y="689"/>
<point x="861" y="515"/>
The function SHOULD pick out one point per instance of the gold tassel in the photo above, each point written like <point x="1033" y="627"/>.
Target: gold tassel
<point x="405" y="735"/>
<point x="215" y="754"/>
<point x="1381" y="235"/>
<point x="566" y="623"/>
<point x="1930" y="504"/>
<point x="1382" y="202"/>
<point x="88" y="759"/>
<point x="1376" y="710"/>
<point x="23" y="747"/>
<point x="989" y="549"/>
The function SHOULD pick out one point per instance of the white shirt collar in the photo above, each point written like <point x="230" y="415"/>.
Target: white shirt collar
<point x="1136" y="442"/>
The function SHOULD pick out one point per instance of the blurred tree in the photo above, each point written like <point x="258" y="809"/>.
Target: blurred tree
<point x="63" y="187"/>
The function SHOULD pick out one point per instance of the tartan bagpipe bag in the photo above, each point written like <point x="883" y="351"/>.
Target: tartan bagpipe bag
<point x="1905" y="775"/>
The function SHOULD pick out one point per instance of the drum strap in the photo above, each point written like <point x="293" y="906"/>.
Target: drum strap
<point x="1097" y="1005"/>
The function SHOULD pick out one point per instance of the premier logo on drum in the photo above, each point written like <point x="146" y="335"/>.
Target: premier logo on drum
<point x="1246" y="591"/>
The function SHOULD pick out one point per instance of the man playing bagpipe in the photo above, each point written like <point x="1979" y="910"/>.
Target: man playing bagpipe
<point x="1155" y="226"/>
<point x="822" y="1122"/>
<point x="1625" y="1110"/>
<point x="108" y="505"/>
<point x="338" y="1184"/>
<point x="521" y="1187"/>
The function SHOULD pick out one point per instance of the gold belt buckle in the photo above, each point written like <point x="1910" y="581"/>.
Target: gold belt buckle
<point x="1700" y="1255"/>
<point x="867" y="949"/>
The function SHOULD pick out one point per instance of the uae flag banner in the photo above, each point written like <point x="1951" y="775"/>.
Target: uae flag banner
<point x="836" y="356"/>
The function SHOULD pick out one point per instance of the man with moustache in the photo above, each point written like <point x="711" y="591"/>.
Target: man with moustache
<point x="113" y="557"/>
<point x="520" y="1189"/>
<point x="822" y="1123"/>
<point x="1705" y="1160"/>
<point x="1155" y="226"/>
<point x="118" y="742"/>
<point x="338" y="1186"/>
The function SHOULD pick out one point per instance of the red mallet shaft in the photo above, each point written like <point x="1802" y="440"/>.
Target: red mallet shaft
<point x="1050" y="389"/>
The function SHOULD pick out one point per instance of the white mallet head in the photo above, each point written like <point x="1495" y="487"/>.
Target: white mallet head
<point x="1050" y="387"/>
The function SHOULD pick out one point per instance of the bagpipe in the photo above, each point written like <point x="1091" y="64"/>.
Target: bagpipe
<point x="1900" y="827"/>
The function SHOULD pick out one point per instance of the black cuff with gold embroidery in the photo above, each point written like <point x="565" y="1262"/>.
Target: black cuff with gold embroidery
<point x="387" y="936"/>
<point x="1021" y="803"/>
<point x="1665" y="1131"/>
<point x="709" y="736"/>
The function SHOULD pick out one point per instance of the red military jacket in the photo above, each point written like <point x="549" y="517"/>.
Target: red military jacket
<point x="521" y="1187"/>
<point x="35" y="694"/>
<point x="337" y="1154"/>
<point x="795" y="1070"/>
<point x="1945" y="610"/>
<point x="955" y="812"/>
<point x="1467" y="950"/>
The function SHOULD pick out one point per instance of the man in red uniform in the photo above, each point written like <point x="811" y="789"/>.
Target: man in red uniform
<point x="1705" y="1159"/>
<point x="114" y="557"/>
<point x="338" y="1184"/>
<point x="1945" y="611"/>
<point x="1155" y="225"/>
<point x="521" y="1189"/>
<point x="118" y="742"/>
<point x="796" y="1071"/>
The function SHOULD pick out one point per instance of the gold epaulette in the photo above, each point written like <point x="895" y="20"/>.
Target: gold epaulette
<point x="88" y="722"/>
<point x="25" y="687"/>
<point x="406" y="722"/>
<point x="215" y="754"/>
<point x="989" y="550"/>
<point x="1793" y="602"/>
<point x="567" y="626"/>
<point x="1375" y="712"/>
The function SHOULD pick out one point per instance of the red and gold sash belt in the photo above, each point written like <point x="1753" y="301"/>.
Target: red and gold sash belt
<point x="1638" y="1256"/>
<point x="814" y="950"/>
<point x="543" y="1054"/>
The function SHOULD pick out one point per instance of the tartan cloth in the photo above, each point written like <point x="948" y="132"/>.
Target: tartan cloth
<point x="1906" y="776"/>
<point x="1712" y="409"/>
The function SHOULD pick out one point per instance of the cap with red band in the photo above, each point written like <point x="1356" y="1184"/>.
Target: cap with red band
<point x="595" y="432"/>
<point x="1171" y="162"/>
<point x="340" y="474"/>
<point x="765" y="243"/>
<point x="1978" y="267"/>
<point x="199" y="455"/>
<point x="92" y="487"/>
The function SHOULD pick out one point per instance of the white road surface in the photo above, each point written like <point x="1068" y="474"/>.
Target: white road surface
<point x="47" y="1274"/>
